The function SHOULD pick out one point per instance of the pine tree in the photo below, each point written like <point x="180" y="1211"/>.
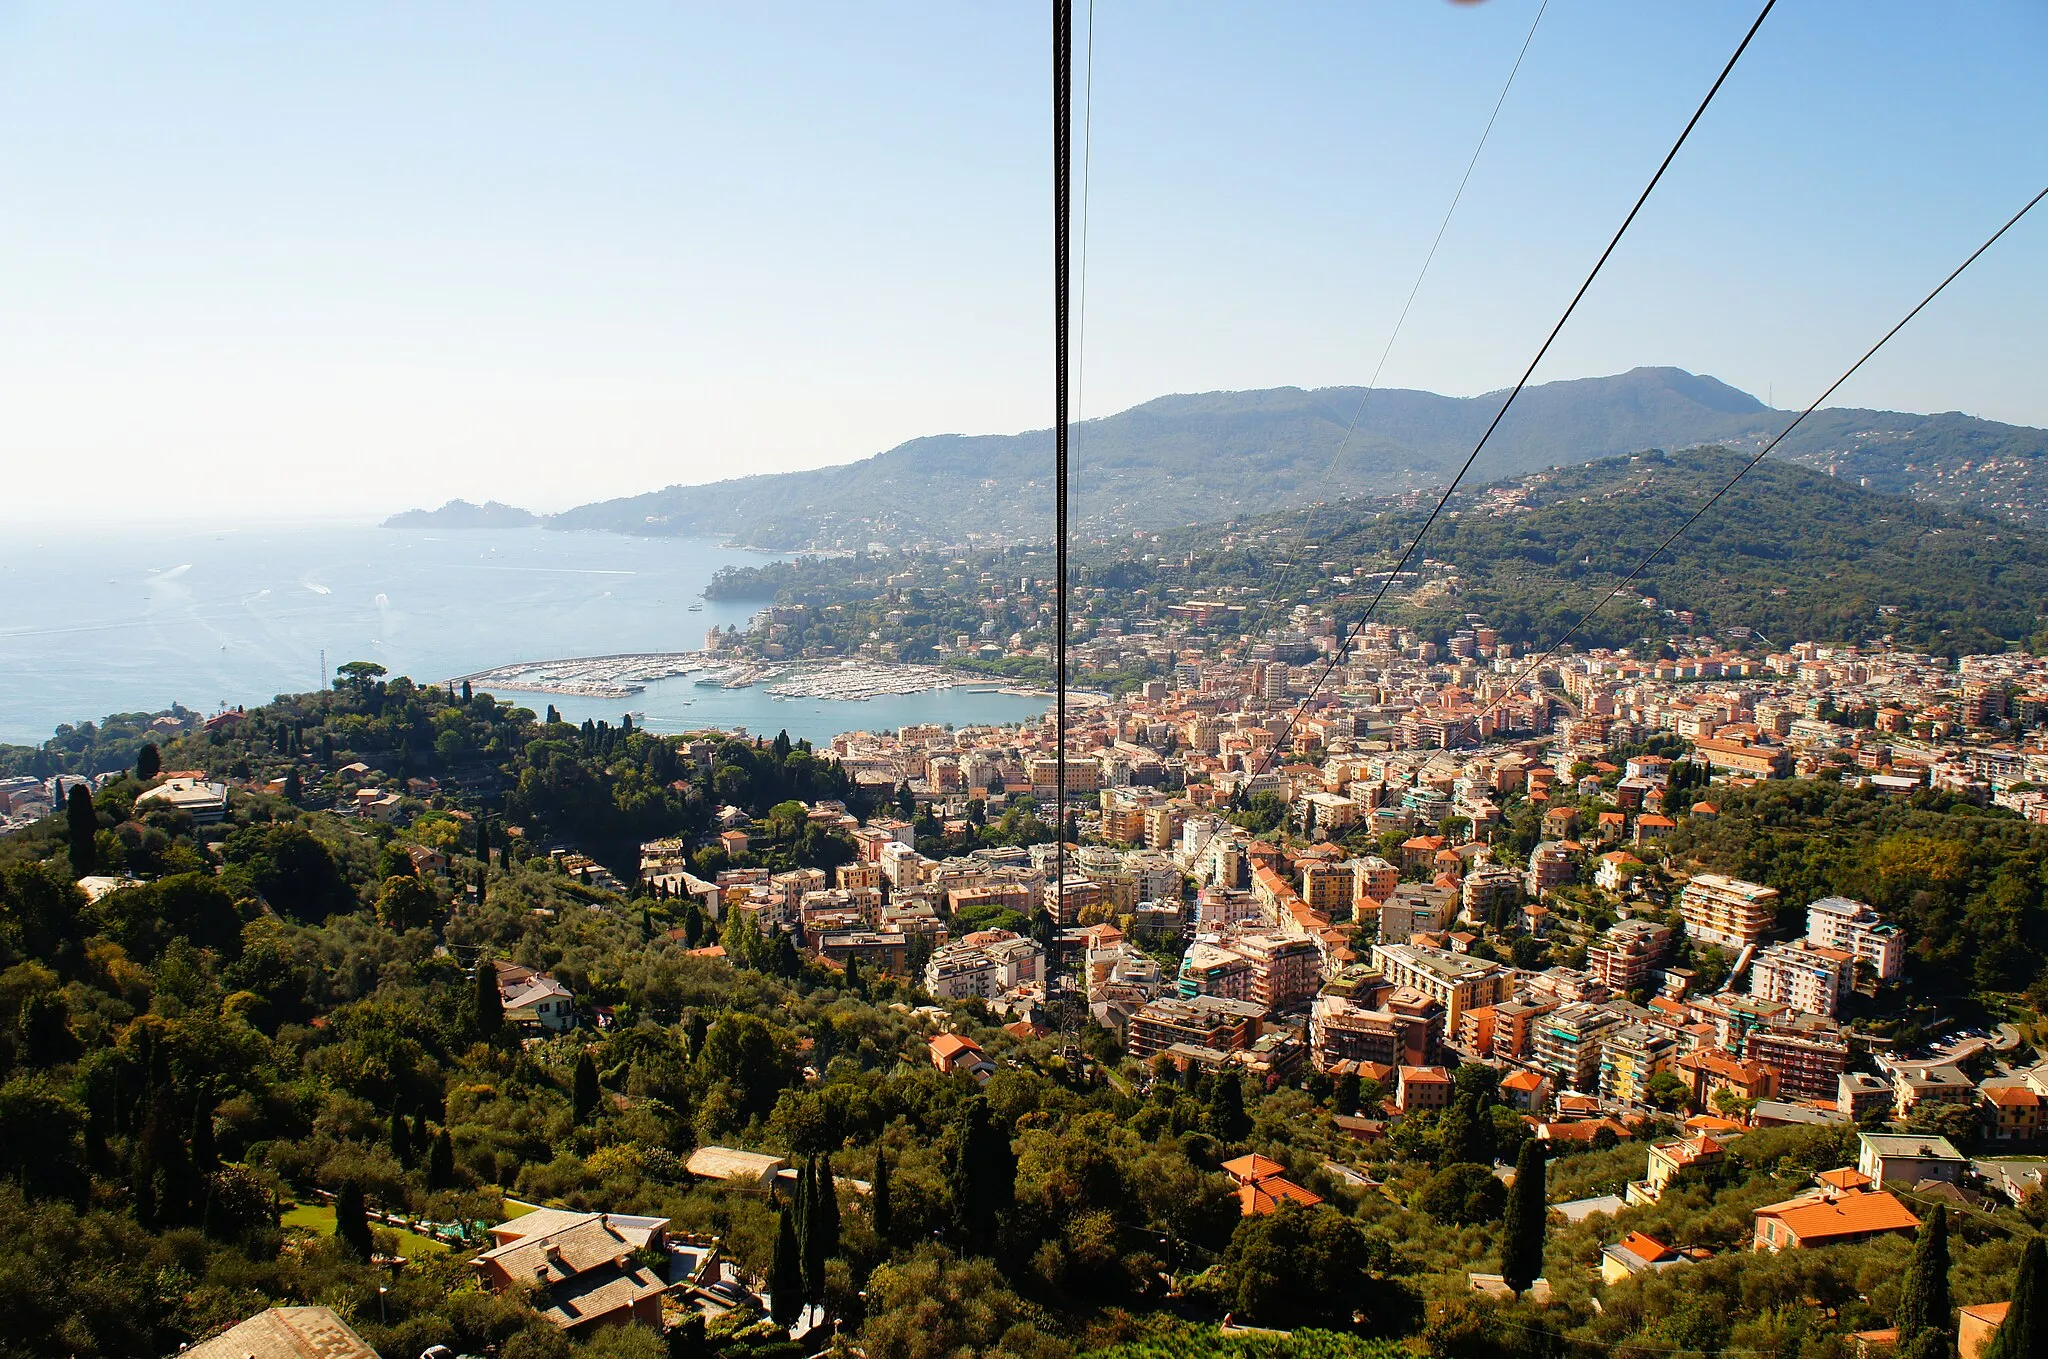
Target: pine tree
<point x="149" y="761"/>
<point x="441" y="1162"/>
<point x="352" y="1223"/>
<point x="1521" y="1250"/>
<point x="487" y="1007"/>
<point x="1924" y="1303"/>
<point x="400" y="1136"/>
<point x="785" y="1276"/>
<point x="586" y="1087"/>
<point x="81" y="823"/>
<point x="2024" y="1332"/>
<point x="880" y="1212"/>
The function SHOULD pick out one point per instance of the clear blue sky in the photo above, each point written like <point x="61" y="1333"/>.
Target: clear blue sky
<point x="546" y="253"/>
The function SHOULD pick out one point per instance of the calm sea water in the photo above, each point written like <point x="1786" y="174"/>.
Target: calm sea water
<point x="123" y="620"/>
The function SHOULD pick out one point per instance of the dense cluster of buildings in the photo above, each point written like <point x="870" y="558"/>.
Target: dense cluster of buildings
<point x="1201" y="942"/>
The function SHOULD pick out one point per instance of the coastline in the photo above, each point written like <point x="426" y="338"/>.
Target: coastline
<point x="624" y="674"/>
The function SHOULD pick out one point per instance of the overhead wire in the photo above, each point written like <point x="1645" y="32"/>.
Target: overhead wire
<point x="1537" y="665"/>
<point x="1062" y="177"/>
<point x="1429" y="258"/>
<point x="1343" y="648"/>
<point x="1087" y="163"/>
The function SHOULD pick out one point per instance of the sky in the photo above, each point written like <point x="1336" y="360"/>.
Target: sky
<point x="262" y="260"/>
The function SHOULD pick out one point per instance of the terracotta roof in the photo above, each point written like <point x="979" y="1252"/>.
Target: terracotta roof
<point x="1252" y="1167"/>
<point x="1847" y="1177"/>
<point x="953" y="1045"/>
<point x="1521" y="1080"/>
<point x="286" y="1333"/>
<point x="1823" y="1217"/>
<point x="1646" y="1248"/>
<point x="2011" y="1096"/>
<point x="1263" y="1196"/>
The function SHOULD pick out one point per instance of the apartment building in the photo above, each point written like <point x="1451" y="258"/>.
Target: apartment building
<point x="985" y="964"/>
<point x="1568" y="1042"/>
<point x="1453" y="980"/>
<point x="1630" y="1056"/>
<point x="1552" y="864"/>
<point x="1858" y="930"/>
<point x="1728" y="911"/>
<point x="1809" y="1057"/>
<point x="1203" y="1021"/>
<point x="1403" y="1029"/>
<point x="1417" y="908"/>
<point x="1490" y="894"/>
<point x="1811" y="979"/>
<point x="1623" y="958"/>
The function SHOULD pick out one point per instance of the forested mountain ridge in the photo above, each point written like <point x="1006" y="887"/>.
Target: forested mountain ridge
<point x="1789" y="552"/>
<point x="1198" y="458"/>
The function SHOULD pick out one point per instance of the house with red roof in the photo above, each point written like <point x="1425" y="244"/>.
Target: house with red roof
<point x="952" y="1052"/>
<point x="1262" y="1185"/>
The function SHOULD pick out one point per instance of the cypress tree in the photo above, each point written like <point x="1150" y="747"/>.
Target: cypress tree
<point x="1521" y="1250"/>
<point x="693" y="925"/>
<point x="853" y="980"/>
<point x="465" y="693"/>
<point x="981" y="1174"/>
<point x="148" y="762"/>
<point x="785" y="1277"/>
<point x="421" y="1139"/>
<point x="441" y="1162"/>
<point x="352" y="1223"/>
<point x="81" y="824"/>
<point x="2024" y="1332"/>
<point x="1227" y="1118"/>
<point x="294" y="787"/>
<point x="205" y="1157"/>
<point x="586" y="1087"/>
<point x="401" y="1139"/>
<point x="827" y="1206"/>
<point x="163" y="1180"/>
<point x="879" y="1210"/>
<point x="1924" y="1303"/>
<point x="487" y="1008"/>
<point x="811" y="1227"/>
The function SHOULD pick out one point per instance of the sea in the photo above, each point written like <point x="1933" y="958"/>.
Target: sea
<point x="135" y="619"/>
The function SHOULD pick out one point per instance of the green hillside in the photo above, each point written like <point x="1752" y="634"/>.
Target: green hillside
<point x="1790" y="552"/>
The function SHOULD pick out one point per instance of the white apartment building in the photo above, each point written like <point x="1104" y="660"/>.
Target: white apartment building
<point x="1858" y="930"/>
<point x="985" y="964"/>
<point x="1808" y="977"/>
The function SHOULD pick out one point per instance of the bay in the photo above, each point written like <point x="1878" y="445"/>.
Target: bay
<point x="129" y="618"/>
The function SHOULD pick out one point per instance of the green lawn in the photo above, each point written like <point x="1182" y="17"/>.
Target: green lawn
<point x="318" y="1218"/>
